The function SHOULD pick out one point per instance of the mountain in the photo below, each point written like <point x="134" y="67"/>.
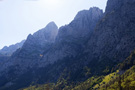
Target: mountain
<point x="27" y="56"/>
<point x="84" y="50"/>
<point x="8" y="51"/>
<point x="115" y="31"/>
<point x="71" y="38"/>
<point x="42" y="44"/>
<point x="110" y="42"/>
<point x="39" y="42"/>
<point x="33" y="48"/>
<point x="113" y="38"/>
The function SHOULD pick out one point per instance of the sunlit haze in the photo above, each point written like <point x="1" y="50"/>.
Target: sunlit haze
<point x="18" y="18"/>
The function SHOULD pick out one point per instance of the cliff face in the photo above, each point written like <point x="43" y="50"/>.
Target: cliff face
<point x="92" y="39"/>
<point x="71" y="38"/>
<point x="114" y="35"/>
<point x="81" y="27"/>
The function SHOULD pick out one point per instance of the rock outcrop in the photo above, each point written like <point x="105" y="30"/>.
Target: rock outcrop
<point x="8" y="51"/>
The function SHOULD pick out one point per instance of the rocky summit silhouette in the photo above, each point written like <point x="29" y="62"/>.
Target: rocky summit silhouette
<point x="8" y="51"/>
<point x="94" y="40"/>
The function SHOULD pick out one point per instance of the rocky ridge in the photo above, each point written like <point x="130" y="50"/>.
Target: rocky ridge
<point x="92" y="39"/>
<point x="8" y="51"/>
<point x="32" y="50"/>
<point x="72" y="38"/>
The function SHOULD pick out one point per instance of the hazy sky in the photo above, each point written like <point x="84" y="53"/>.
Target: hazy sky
<point x="18" y="18"/>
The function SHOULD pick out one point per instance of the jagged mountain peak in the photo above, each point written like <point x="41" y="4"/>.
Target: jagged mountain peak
<point x="45" y="34"/>
<point x="8" y="50"/>
<point x="73" y="36"/>
<point x="29" y="36"/>
<point x="35" y="45"/>
<point x="41" y="39"/>
<point x="51" y="25"/>
<point x="92" y="11"/>
<point x="95" y="10"/>
<point x="82" y="25"/>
